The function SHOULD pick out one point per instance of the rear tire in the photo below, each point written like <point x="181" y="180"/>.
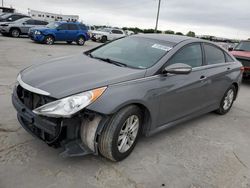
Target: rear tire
<point x="120" y="135"/>
<point x="69" y="42"/>
<point x="80" y="41"/>
<point x="15" y="33"/>
<point x="227" y="101"/>
<point x="49" y="40"/>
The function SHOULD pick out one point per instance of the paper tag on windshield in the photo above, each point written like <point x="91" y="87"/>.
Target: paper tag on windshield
<point x="161" y="47"/>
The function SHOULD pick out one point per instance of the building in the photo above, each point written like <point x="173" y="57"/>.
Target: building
<point x="49" y="17"/>
<point x="6" y="10"/>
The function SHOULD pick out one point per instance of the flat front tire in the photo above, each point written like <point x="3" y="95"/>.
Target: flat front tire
<point x="227" y="101"/>
<point x="120" y="135"/>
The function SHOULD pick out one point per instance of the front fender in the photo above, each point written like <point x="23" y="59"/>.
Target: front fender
<point x="143" y="92"/>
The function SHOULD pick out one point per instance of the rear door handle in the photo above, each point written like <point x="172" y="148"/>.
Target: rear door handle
<point x="203" y="77"/>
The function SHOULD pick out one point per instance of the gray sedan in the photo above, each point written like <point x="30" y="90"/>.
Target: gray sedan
<point x="20" y="27"/>
<point x="101" y="101"/>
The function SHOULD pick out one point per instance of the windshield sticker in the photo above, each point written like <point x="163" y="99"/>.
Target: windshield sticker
<point x="162" y="47"/>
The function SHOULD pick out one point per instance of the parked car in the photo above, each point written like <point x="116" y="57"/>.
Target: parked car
<point x="128" y="32"/>
<point x="90" y="29"/>
<point x="60" y="31"/>
<point x="107" y="34"/>
<point x="20" y="27"/>
<point x="102" y="100"/>
<point x="242" y="53"/>
<point x="11" y="17"/>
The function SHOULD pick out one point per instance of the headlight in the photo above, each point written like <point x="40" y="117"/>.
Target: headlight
<point x="68" y="106"/>
<point x="38" y="33"/>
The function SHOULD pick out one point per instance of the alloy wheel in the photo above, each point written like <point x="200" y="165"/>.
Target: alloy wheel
<point x="128" y="133"/>
<point x="228" y="100"/>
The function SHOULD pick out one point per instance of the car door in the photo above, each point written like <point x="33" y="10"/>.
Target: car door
<point x="27" y="25"/>
<point x="218" y="67"/>
<point x="115" y="34"/>
<point x="182" y="95"/>
<point x="72" y="32"/>
<point x="61" y="32"/>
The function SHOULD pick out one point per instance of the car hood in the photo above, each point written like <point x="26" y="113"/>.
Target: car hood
<point x="39" y="28"/>
<point x="74" y="74"/>
<point x="243" y="54"/>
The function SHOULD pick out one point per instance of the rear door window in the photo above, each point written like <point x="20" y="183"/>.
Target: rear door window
<point x="214" y="55"/>
<point x="190" y="55"/>
<point x="30" y="22"/>
<point x="72" y="27"/>
<point x="117" y="31"/>
<point x="63" y="27"/>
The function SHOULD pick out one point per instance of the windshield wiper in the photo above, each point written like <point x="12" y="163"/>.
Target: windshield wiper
<point x="109" y="61"/>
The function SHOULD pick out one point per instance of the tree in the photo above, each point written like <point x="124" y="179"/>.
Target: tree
<point x="191" y="34"/>
<point x="179" y="33"/>
<point x="169" y="32"/>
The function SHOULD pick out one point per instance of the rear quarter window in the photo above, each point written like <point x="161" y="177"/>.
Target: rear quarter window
<point x="83" y="27"/>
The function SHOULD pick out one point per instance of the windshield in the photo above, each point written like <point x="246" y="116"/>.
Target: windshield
<point x="4" y="17"/>
<point x="243" y="46"/>
<point x="136" y="52"/>
<point x="52" y="25"/>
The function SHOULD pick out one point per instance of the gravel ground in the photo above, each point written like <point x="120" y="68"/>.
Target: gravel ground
<point x="211" y="151"/>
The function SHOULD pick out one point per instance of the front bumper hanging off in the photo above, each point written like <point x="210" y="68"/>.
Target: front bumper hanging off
<point x="66" y="133"/>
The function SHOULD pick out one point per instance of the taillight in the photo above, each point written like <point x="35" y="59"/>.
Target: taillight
<point x="242" y="69"/>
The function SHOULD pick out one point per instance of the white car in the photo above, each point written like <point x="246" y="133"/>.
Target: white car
<point x="107" y="34"/>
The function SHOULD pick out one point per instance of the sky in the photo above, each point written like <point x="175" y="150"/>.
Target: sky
<point x="221" y="18"/>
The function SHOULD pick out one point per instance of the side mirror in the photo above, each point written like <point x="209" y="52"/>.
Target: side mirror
<point x="230" y="49"/>
<point x="177" y="68"/>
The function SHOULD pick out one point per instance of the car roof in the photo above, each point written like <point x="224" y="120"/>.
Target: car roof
<point x="166" y="37"/>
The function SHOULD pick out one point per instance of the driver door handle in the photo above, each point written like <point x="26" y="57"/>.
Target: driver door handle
<point x="203" y="77"/>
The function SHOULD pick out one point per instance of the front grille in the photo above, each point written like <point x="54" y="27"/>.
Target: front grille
<point x="245" y="63"/>
<point x="32" y="100"/>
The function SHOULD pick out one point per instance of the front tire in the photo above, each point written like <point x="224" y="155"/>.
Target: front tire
<point x="69" y="42"/>
<point x="49" y="40"/>
<point x="227" y="101"/>
<point x="104" y="39"/>
<point x="120" y="136"/>
<point x="15" y="33"/>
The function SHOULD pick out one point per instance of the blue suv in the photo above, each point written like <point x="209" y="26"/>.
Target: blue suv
<point x="60" y="31"/>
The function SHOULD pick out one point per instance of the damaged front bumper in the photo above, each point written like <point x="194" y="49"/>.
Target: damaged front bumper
<point x="77" y="135"/>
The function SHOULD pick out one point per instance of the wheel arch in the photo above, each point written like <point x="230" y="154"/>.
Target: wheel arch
<point x="82" y="35"/>
<point x="236" y="85"/>
<point x="12" y="28"/>
<point x="147" y="116"/>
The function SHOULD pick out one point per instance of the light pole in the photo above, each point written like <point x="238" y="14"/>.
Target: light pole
<point x="2" y="3"/>
<point x="157" y="18"/>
